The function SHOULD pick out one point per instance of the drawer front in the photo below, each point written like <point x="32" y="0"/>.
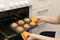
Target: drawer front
<point x="40" y="3"/>
<point x="38" y="12"/>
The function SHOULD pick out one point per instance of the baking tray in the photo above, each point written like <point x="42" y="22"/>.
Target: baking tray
<point x="31" y="27"/>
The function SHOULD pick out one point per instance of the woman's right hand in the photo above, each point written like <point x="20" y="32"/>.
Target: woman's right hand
<point x="40" y="37"/>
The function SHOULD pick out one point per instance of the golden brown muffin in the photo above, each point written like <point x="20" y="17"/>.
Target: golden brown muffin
<point x="20" y="29"/>
<point x="14" y="25"/>
<point x="26" y="26"/>
<point x="34" y="19"/>
<point x="32" y="23"/>
<point x="20" y="22"/>
<point x="27" y="20"/>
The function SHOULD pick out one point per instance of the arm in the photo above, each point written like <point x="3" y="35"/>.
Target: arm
<point x="40" y="37"/>
<point x="54" y="20"/>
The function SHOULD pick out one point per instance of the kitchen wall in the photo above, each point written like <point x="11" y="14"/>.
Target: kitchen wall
<point x="53" y="10"/>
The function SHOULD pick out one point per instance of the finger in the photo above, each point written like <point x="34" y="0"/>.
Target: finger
<point x="30" y="38"/>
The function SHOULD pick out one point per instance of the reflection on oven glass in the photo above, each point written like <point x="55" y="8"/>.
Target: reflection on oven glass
<point x="8" y="17"/>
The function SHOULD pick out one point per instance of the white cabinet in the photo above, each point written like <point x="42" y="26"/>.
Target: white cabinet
<point x="47" y="8"/>
<point x="40" y="11"/>
<point x="40" y="3"/>
<point x="40" y="7"/>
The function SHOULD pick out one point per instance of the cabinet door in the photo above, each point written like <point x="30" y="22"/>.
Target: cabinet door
<point x="38" y="12"/>
<point x="40" y="3"/>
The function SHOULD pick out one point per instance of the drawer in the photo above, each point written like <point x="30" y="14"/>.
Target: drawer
<point x="41" y="11"/>
<point x="40" y="3"/>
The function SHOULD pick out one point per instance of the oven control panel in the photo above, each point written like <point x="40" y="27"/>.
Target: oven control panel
<point x="13" y="4"/>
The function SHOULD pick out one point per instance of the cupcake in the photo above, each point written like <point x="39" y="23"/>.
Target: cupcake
<point x="14" y="25"/>
<point x="20" y="29"/>
<point x="32" y="23"/>
<point x="27" y="20"/>
<point x="26" y="26"/>
<point x="20" y="22"/>
<point x="35" y="19"/>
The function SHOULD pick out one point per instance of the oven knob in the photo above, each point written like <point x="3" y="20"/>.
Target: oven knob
<point x="11" y="5"/>
<point x="2" y="7"/>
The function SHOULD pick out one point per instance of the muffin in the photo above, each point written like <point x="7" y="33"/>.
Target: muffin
<point x="20" y="29"/>
<point x="32" y="23"/>
<point x="34" y="19"/>
<point x="26" y="26"/>
<point x="20" y="22"/>
<point x="27" y="20"/>
<point x="14" y="25"/>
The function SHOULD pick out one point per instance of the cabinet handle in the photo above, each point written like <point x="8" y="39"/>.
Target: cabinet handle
<point x="42" y="12"/>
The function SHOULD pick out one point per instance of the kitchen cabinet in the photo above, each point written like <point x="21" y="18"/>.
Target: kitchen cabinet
<point x="40" y="3"/>
<point x="47" y="8"/>
<point x="40" y="11"/>
<point x="40" y="7"/>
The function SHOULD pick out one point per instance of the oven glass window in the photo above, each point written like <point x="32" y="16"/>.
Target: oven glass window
<point x="10" y="16"/>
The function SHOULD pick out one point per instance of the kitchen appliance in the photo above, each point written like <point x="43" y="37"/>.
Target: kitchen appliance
<point x="44" y="8"/>
<point x="8" y="17"/>
<point x="11" y="11"/>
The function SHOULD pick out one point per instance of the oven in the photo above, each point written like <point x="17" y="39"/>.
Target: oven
<point x="8" y="17"/>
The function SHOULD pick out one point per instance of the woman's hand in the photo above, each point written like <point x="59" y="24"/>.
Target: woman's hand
<point x="39" y="37"/>
<point x="47" y="19"/>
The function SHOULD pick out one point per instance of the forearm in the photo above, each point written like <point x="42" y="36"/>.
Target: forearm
<point x="40" y="37"/>
<point x="53" y="20"/>
<point x="48" y="38"/>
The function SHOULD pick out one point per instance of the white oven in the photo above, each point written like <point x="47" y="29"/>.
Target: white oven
<point x="11" y="11"/>
<point x="46" y="8"/>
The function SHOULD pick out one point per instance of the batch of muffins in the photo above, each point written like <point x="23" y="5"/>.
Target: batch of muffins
<point x="24" y="25"/>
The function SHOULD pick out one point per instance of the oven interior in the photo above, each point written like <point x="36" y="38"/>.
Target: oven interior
<point x="8" y="17"/>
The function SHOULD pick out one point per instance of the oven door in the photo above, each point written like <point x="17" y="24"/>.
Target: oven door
<point x="10" y="16"/>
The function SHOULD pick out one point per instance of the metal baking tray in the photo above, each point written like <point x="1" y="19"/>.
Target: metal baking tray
<point x="31" y="27"/>
<point x="7" y="32"/>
